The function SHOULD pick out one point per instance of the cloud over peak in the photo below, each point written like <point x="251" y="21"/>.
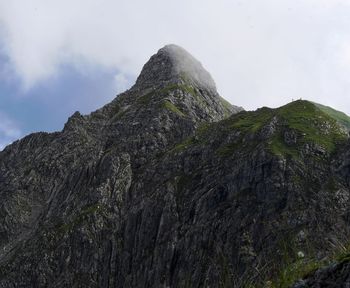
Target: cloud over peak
<point x="259" y="52"/>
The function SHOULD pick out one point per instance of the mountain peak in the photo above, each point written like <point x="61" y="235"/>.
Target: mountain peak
<point x="173" y="64"/>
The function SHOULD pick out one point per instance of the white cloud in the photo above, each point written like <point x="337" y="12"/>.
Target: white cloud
<point x="259" y="52"/>
<point x="121" y="82"/>
<point x="9" y="130"/>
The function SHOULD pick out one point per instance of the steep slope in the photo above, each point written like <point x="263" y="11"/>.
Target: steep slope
<point x="336" y="275"/>
<point x="247" y="194"/>
<point x="65" y="196"/>
<point x="341" y="117"/>
<point x="159" y="188"/>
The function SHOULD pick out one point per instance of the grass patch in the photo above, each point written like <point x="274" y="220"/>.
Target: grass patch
<point x="225" y="103"/>
<point x="145" y="99"/>
<point x="229" y="149"/>
<point x="188" y="89"/>
<point x="117" y="113"/>
<point x="252" y="121"/>
<point x="278" y="147"/>
<point x="79" y="218"/>
<point x="184" y="145"/>
<point x="296" y="269"/>
<point x="341" y="117"/>
<point x="227" y="106"/>
<point x="310" y="125"/>
<point x="293" y="265"/>
<point x="241" y="146"/>
<point x="172" y="87"/>
<point x="120" y="114"/>
<point x="203" y="130"/>
<point x="171" y="107"/>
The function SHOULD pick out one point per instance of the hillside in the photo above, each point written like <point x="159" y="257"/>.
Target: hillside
<point x="341" y="117"/>
<point x="169" y="185"/>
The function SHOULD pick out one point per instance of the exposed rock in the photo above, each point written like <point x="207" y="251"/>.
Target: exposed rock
<point x="159" y="188"/>
<point x="332" y="276"/>
<point x="174" y="64"/>
<point x="290" y="137"/>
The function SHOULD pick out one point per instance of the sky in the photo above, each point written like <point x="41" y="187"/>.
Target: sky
<point x="62" y="56"/>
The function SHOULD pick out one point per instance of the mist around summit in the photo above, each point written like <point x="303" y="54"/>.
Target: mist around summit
<point x="171" y="185"/>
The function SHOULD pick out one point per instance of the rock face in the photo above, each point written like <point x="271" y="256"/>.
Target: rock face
<point x="169" y="186"/>
<point x="174" y="64"/>
<point x="333" y="276"/>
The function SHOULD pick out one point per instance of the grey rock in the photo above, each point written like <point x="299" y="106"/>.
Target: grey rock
<point x="290" y="137"/>
<point x="160" y="188"/>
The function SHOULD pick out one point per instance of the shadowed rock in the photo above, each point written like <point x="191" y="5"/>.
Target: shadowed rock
<point x="168" y="186"/>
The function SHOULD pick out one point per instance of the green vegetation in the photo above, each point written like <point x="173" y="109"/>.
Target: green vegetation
<point x="145" y="99"/>
<point x="341" y="117"/>
<point x="120" y="114"/>
<point x="228" y="149"/>
<point x="186" y="88"/>
<point x="252" y="121"/>
<point x="278" y="147"/>
<point x="247" y="123"/>
<point x="192" y="91"/>
<point x="203" y="129"/>
<point x="171" y="107"/>
<point x="343" y="254"/>
<point x="80" y="217"/>
<point x="225" y="103"/>
<point x="184" y="145"/>
<point x="295" y="271"/>
<point x="300" y="118"/>
<point x="200" y="137"/>
<point x="117" y="113"/>
<point x="314" y="125"/>
<point x="227" y="106"/>
<point x="296" y="268"/>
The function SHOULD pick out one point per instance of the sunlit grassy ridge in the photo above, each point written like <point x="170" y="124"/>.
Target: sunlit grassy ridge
<point x="341" y="117"/>
<point x="266" y="129"/>
<point x="306" y="120"/>
<point x="303" y="120"/>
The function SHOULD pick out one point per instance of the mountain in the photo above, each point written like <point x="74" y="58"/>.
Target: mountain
<point x="169" y="185"/>
<point x="341" y="117"/>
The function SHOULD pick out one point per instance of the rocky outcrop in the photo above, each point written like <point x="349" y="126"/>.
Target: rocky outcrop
<point x="336" y="275"/>
<point x="170" y="186"/>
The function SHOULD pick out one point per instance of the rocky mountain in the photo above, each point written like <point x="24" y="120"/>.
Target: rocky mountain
<point x="169" y="185"/>
<point x="341" y="117"/>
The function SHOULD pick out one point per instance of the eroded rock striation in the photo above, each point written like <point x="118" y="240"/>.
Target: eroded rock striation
<point x="171" y="186"/>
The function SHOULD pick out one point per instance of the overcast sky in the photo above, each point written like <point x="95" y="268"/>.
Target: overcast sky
<point x="60" y="56"/>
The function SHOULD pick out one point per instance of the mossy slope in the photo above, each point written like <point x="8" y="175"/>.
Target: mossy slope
<point x="291" y="129"/>
<point x="341" y="117"/>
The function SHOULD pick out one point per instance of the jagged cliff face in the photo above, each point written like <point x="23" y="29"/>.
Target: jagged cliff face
<point x="169" y="186"/>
